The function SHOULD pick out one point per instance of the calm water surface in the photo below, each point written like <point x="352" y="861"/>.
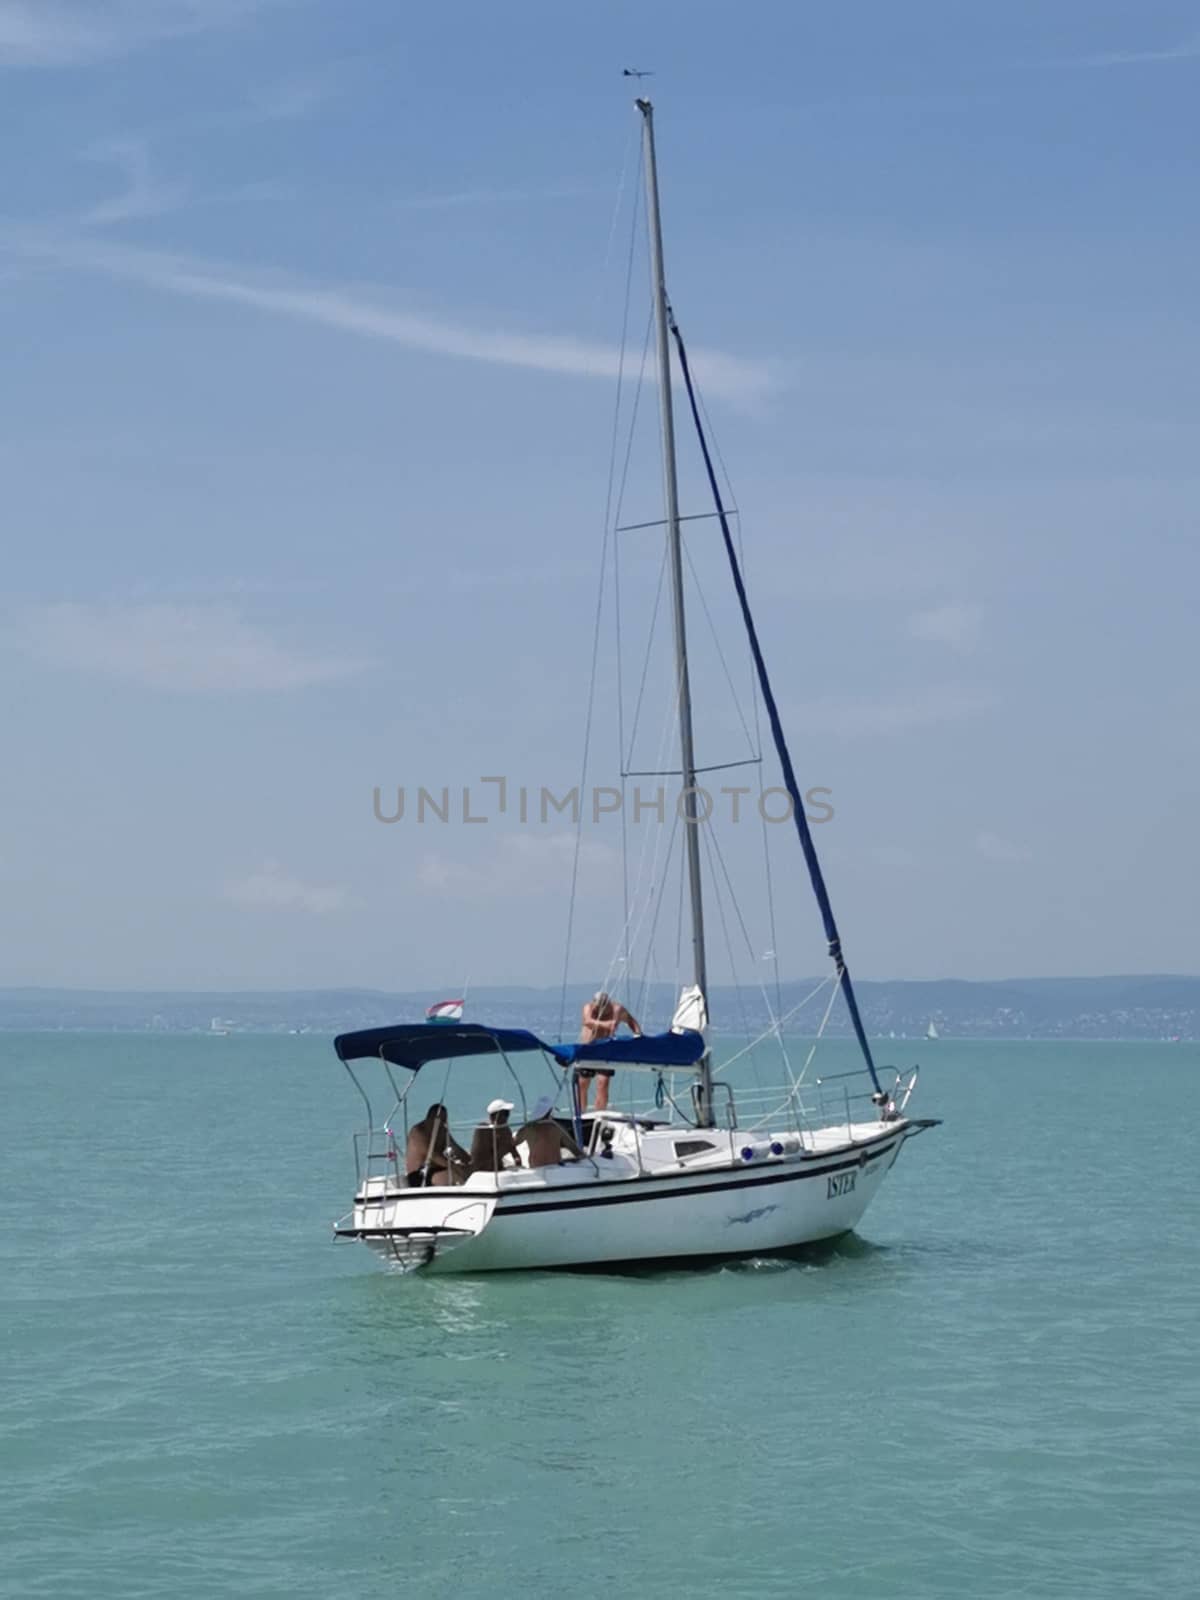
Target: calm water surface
<point x="991" y="1391"/>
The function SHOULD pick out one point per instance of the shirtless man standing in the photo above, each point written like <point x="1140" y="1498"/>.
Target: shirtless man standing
<point x="431" y="1154"/>
<point x="546" y="1141"/>
<point x="602" y="1016"/>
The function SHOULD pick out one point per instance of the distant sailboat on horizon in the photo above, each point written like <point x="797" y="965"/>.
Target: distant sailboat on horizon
<point x="931" y="1031"/>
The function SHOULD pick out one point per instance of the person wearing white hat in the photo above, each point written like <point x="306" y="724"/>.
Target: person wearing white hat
<point x="492" y="1143"/>
<point x="546" y="1141"/>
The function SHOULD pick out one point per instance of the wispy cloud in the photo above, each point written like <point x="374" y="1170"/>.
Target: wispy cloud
<point x="524" y="865"/>
<point x="142" y="196"/>
<point x="463" y="199"/>
<point x="67" y="33"/>
<point x="1187" y="50"/>
<point x="271" y="888"/>
<point x="993" y="848"/>
<point x="188" y="648"/>
<point x="347" y="311"/>
<point x="892" y="855"/>
<point x="923" y="708"/>
<point x="33" y="34"/>
<point x="955" y="625"/>
<point x="287" y="100"/>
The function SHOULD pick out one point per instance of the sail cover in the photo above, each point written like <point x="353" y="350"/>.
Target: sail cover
<point x="412" y="1044"/>
<point x="691" y="1012"/>
<point x="672" y="1049"/>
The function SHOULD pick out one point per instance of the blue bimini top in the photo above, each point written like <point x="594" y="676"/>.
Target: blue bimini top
<point x="412" y="1044"/>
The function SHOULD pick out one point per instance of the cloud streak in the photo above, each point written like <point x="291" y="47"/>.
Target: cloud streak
<point x="182" y="648"/>
<point x="69" y="33"/>
<point x="955" y="625"/>
<point x="465" y="199"/>
<point x="143" y="195"/>
<point x="994" y="848"/>
<point x="1187" y="50"/>
<point x="723" y="376"/>
<point x="523" y="865"/>
<point x="273" y="889"/>
<point x="923" y="708"/>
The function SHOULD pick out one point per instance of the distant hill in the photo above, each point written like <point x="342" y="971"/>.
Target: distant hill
<point x="1016" y="1008"/>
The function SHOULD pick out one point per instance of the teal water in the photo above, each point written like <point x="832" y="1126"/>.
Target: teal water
<point x="991" y="1391"/>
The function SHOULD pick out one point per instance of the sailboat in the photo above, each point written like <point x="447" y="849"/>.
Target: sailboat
<point x="697" y="1175"/>
<point x="931" y="1031"/>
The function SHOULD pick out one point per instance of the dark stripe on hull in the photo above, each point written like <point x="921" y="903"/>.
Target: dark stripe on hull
<point x="864" y="1154"/>
<point x="763" y="1182"/>
<point x="538" y="1208"/>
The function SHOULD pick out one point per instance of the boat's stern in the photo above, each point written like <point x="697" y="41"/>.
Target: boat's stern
<point x="411" y="1229"/>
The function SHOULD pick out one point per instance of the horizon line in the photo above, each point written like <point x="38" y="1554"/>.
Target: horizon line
<point x="554" y="988"/>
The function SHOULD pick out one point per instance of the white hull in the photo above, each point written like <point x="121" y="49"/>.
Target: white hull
<point x="583" y="1214"/>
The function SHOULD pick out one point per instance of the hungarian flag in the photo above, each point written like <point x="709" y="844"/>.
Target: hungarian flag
<point x="445" y="1011"/>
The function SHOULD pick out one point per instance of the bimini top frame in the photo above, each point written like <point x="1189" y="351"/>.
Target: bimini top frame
<point x="412" y="1044"/>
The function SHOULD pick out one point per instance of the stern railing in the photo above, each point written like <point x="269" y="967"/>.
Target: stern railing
<point x="376" y="1154"/>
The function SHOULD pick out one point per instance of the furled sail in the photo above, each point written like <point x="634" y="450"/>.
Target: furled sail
<point x="816" y="876"/>
<point x="691" y="1014"/>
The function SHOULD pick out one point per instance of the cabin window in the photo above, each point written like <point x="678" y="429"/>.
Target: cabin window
<point x="692" y="1147"/>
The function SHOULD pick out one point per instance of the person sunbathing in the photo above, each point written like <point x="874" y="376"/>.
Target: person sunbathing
<point x="431" y="1153"/>
<point x="546" y="1141"/>
<point x="492" y="1144"/>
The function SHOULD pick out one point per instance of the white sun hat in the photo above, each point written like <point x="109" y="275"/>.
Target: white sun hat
<point x="499" y="1105"/>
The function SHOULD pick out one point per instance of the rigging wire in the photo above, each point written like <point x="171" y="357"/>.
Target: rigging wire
<point x="616" y="211"/>
<point x="670" y="711"/>
<point x="658" y="900"/>
<point x="803" y="832"/>
<point x="756" y="702"/>
<point x="670" y="714"/>
<point x="637" y="709"/>
<point x="712" y="628"/>
<point x="708" y="837"/>
<point x="640" y="906"/>
<point x="712" y="840"/>
<point x="679" y="932"/>
<point x="792" y="1102"/>
<point x="826" y="982"/>
<point x="716" y="846"/>
<point x="608" y="520"/>
<point x="612" y="517"/>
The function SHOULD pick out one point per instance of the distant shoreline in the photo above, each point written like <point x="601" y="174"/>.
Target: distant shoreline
<point x="1157" y="1007"/>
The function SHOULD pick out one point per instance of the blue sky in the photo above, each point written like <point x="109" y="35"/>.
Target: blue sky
<point x="310" y="314"/>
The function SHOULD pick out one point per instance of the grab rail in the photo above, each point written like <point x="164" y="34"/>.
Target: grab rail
<point x="367" y="1157"/>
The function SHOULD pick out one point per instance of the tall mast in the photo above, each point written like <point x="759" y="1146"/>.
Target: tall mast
<point x="662" y="323"/>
